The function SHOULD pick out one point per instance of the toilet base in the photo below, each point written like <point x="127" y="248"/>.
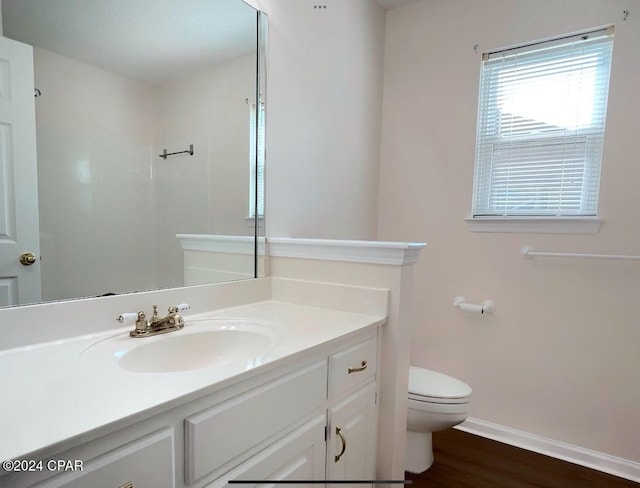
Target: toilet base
<point x="419" y="452"/>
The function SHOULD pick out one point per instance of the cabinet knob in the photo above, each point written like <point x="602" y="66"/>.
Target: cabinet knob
<point x="344" y="443"/>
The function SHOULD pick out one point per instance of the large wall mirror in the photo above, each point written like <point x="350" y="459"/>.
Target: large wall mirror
<point x="149" y="118"/>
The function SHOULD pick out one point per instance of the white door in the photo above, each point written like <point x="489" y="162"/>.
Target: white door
<point x="19" y="229"/>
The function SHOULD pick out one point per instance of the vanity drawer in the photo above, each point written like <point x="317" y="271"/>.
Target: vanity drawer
<point x="352" y="367"/>
<point x="224" y="432"/>
<point x="145" y="462"/>
<point x="300" y="455"/>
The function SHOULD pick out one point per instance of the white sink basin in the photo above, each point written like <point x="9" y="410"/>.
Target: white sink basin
<point x="229" y="344"/>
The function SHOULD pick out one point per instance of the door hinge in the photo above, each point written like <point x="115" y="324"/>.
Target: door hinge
<point x="325" y="433"/>
<point x="375" y="402"/>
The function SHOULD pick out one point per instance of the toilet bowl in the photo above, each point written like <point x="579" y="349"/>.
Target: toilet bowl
<point x="435" y="402"/>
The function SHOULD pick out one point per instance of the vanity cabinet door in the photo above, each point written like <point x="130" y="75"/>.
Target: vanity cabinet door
<point x="147" y="462"/>
<point x="299" y="455"/>
<point x="351" y="444"/>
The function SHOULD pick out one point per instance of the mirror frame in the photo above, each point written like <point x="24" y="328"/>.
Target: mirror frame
<point x="259" y="243"/>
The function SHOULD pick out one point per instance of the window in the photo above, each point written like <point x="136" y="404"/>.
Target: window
<point x="256" y="179"/>
<point x="541" y="121"/>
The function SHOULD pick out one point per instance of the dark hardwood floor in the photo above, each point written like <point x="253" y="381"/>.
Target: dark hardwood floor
<point x="464" y="460"/>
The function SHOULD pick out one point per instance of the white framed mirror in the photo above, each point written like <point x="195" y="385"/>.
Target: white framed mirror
<point x="148" y="129"/>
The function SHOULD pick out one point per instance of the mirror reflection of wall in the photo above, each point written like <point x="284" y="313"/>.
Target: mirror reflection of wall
<point x="110" y="207"/>
<point x="107" y="198"/>
<point x="213" y="108"/>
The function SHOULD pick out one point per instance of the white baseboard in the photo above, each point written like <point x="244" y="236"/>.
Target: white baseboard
<point x="561" y="450"/>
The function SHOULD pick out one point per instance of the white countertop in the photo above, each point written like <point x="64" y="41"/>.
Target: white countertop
<point x="56" y="391"/>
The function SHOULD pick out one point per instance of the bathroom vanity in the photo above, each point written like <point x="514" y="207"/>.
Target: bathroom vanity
<point x="77" y="390"/>
<point x="301" y="406"/>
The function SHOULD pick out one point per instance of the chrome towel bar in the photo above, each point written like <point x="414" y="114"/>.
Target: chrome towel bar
<point x="165" y="154"/>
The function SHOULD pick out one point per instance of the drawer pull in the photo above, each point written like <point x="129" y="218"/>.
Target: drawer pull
<point x="128" y="484"/>
<point x="362" y="367"/>
<point x="344" y="443"/>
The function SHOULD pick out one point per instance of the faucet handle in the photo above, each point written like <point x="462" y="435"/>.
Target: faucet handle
<point x="181" y="307"/>
<point x="131" y="318"/>
<point x="128" y="318"/>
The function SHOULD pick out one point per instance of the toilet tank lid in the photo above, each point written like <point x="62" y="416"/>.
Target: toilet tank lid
<point x="432" y="384"/>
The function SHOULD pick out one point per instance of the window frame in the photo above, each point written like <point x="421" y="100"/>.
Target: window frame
<point x="486" y="218"/>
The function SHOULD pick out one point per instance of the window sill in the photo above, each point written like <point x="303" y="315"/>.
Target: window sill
<point x="535" y="225"/>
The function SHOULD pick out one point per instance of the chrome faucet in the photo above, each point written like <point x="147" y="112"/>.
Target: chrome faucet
<point x="156" y="325"/>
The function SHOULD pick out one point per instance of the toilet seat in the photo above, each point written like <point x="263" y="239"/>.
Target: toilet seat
<point x="433" y="387"/>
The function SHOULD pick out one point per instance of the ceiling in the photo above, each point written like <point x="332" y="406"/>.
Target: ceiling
<point x="147" y="40"/>
<point x="390" y="4"/>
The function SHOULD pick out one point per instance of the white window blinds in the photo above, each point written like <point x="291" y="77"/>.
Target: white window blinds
<point x="256" y="160"/>
<point x="541" y="121"/>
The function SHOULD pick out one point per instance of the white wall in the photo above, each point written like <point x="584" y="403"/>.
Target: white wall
<point x="98" y="131"/>
<point x="559" y="358"/>
<point x="323" y="117"/>
<point x="94" y="133"/>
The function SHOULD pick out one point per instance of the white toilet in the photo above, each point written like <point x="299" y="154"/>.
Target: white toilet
<point x="436" y="402"/>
